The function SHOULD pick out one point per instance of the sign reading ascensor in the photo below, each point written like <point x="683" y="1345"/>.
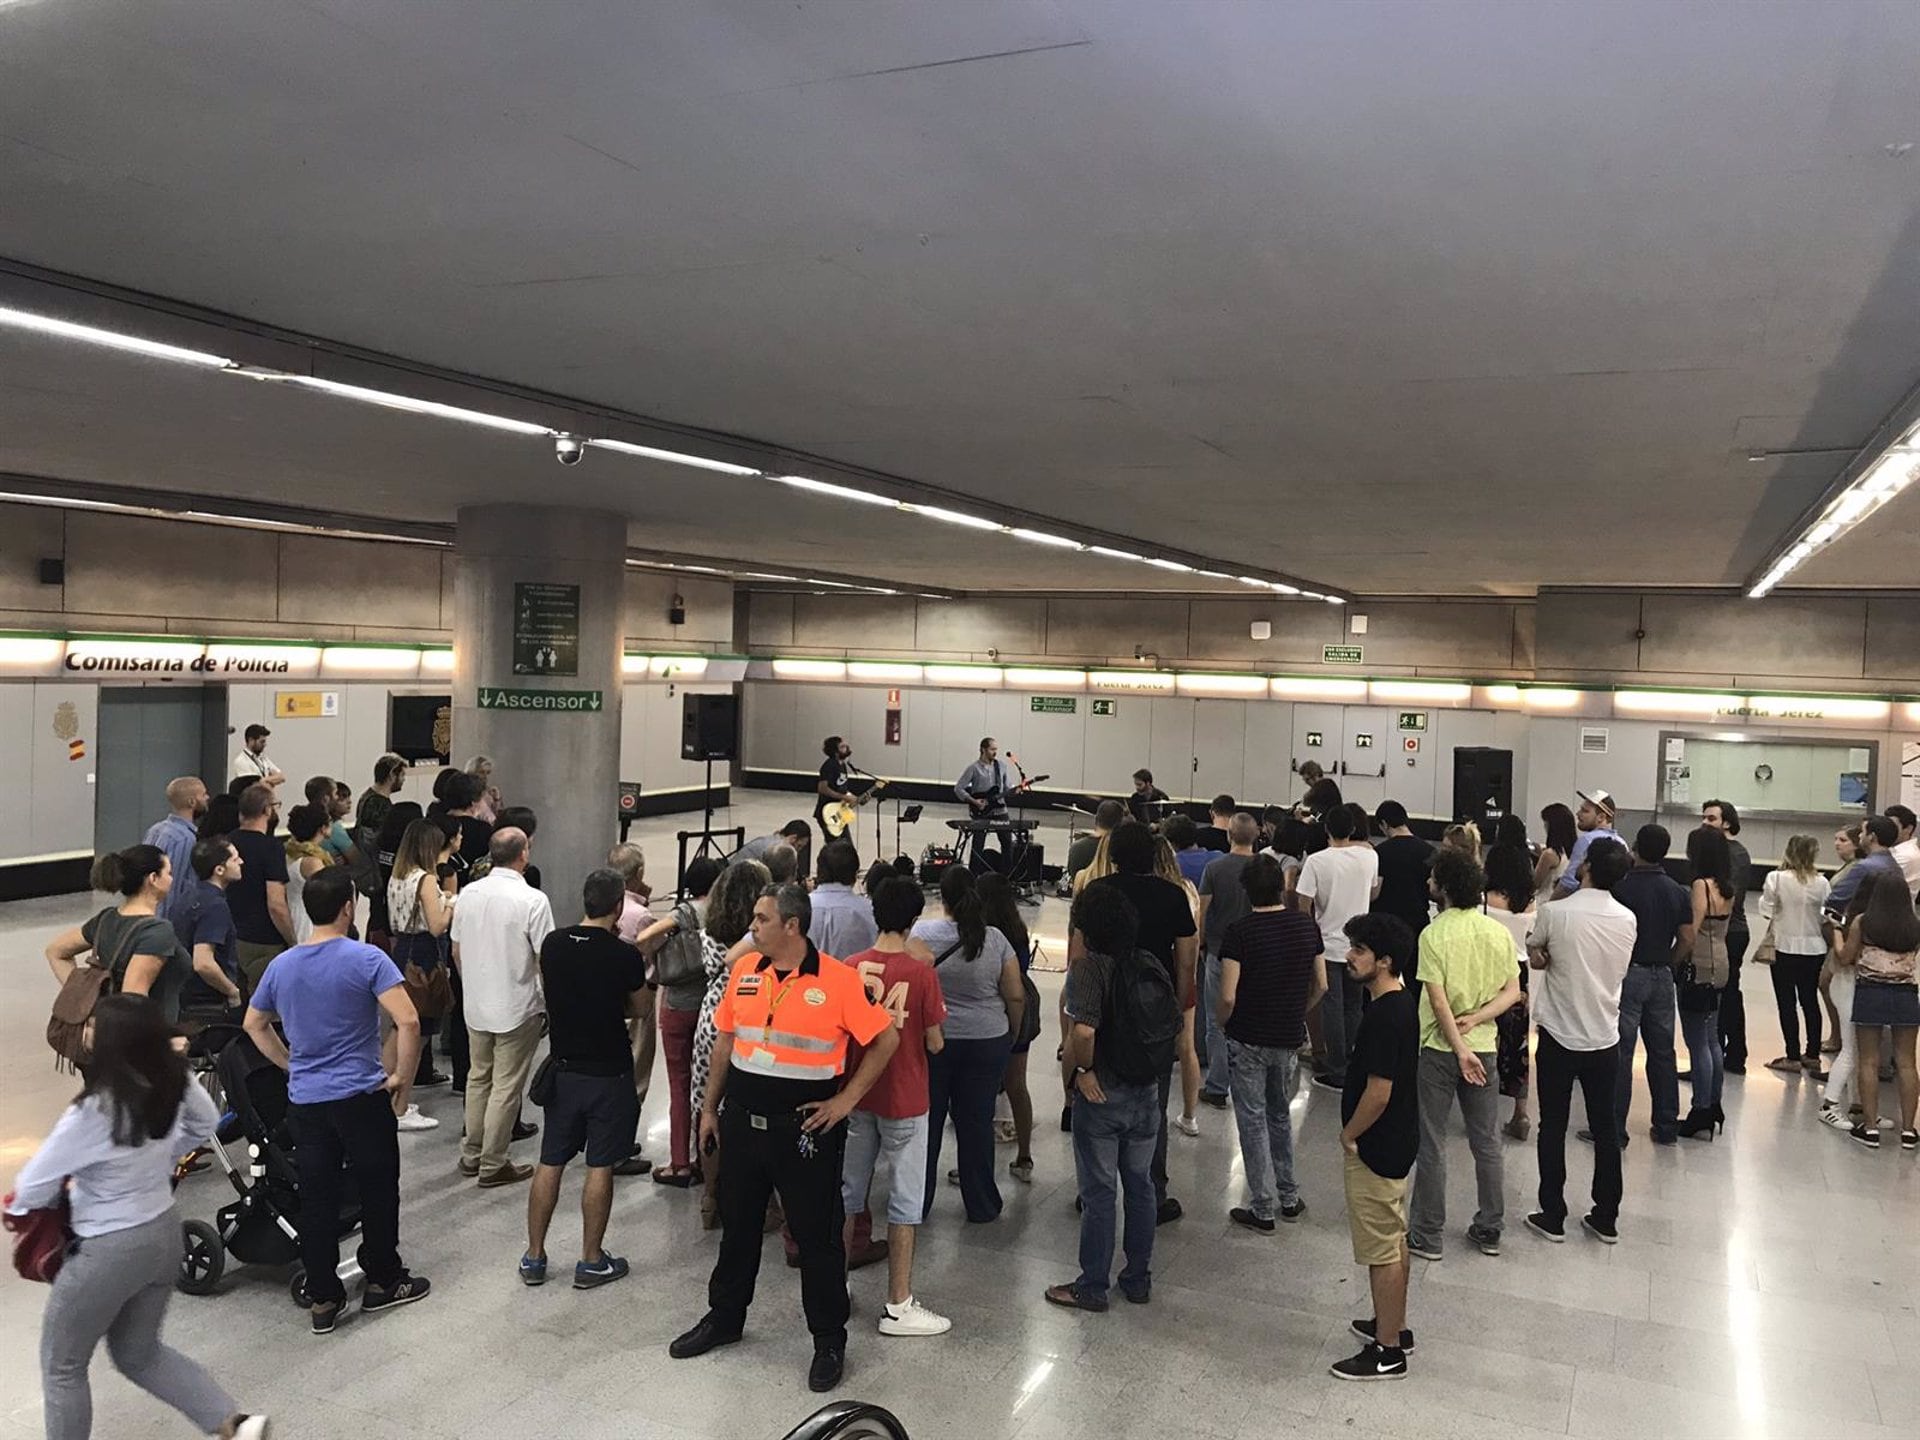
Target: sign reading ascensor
<point x="494" y="697"/>
<point x="1054" y="704"/>
<point x="546" y="629"/>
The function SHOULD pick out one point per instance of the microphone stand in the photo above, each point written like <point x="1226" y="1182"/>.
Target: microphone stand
<point x="878" y="838"/>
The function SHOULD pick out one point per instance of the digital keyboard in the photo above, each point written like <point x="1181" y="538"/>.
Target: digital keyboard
<point x="992" y="827"/>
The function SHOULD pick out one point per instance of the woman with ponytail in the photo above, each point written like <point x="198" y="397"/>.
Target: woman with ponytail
<point x="141" y="950"/>
<point x="979" y="976"/>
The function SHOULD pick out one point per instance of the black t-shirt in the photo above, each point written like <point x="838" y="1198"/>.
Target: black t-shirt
<point x="262" y="859"/>
<point x="1148" y="807"/>
<point x="833" y="774"/>
<point x="1388" y="1045"/>
<point x="588" y="973"/>
<point x="1275" y="950"/>
<point x="1212" y="837"/>
<point x="1405" y="863"/>
<point x="1165" y="914"/>
<point x="475" y="835"/>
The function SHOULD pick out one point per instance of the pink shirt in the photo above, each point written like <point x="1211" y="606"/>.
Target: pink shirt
<point x="634" y="917"/>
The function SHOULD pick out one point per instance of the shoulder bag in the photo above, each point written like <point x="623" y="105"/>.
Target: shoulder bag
<point x="680" y="961"/>
<point x="40" y="1239"/>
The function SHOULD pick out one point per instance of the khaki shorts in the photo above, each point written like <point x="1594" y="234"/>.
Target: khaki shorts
<point x="1376" y="1214"/>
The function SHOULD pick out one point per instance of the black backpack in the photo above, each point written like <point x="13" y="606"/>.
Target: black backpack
<point x="1137" y="1043"/>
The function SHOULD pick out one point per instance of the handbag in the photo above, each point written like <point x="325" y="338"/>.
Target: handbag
<point x="680" y="962"/>
<point x="41" y="1239"/>
<point x="1029" y="1017"/>
<point x="430" y="990"/>
<point x="1765" y="952"/>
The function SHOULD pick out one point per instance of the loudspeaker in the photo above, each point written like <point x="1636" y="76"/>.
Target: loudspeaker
<point x="709" y="727"/>
<point x="1482" y="784"/>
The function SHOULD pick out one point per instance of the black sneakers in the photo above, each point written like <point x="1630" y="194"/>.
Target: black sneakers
<point x="1369" y="1331"/>
<point x="1601" y="1230"/>
<point x="829" y="1365"/>
<point x="1374" y="1362"/>
<point x="1240" y="1215"/>
<point x="406" y="1290"/>
<point x="1547" y="1229"/>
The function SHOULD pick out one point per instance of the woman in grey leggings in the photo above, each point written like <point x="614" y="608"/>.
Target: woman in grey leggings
<point x="117" y="1142"/>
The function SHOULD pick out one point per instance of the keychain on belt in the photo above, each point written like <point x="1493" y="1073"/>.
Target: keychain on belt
<point x="807" y="1146"/>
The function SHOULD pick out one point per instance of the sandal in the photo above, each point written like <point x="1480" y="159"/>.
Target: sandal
<point x="1071" y="1297"/>
<point x="678" y="1179"/>
<point x="1785" y="1064"/>
<point x="1022" y="1170"/>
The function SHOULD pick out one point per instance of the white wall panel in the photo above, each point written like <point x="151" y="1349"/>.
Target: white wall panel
<point x="963" y="721"/>
<point x="768" y="724"/>
<point x="1117" y="744"/>
<point x="24" y="747"/>
<point x="1169" y="747"/>
<point x="1006" y="717"/>
<point x="1269" y="738"/>
<point x="301" y="748"/>
<point x="820" y="711"/>
<point x="866" y="730"/>
<point x="60" y="799"/>
<point x="1056" y="745"/>
<point x="923" y="721"/>
<point x="1220" y="747"/>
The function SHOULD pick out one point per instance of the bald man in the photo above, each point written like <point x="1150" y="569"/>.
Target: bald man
<point x="176" y="835"/>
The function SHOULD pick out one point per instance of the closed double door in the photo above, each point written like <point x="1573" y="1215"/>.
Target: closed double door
<point x="1354" y="744"/>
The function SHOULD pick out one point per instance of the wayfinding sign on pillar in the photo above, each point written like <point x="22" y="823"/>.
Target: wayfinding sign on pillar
<point x="546" y="629"/>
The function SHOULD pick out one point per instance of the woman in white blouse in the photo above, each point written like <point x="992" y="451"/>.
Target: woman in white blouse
<point x="1790" y="901"/>
<point x="116" y="1145"/>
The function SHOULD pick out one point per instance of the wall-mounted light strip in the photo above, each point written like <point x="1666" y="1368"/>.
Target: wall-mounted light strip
<point x="810" y="669"/>
<point x="1149" y="681"/>
<point x="1674" y="702"/>
<point x="1427" y="691"/>
<point x="979" y="676"/>
<point x="886" y="672"/>
<point x="1047" y="679"/>
<point x="1200" y="682"/>
<point x="1288" y="687"/>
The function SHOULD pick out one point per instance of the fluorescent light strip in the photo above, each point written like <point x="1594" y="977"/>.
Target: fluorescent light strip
<point x="684" y="667"/>
<point x="1673" y="702"/>
<point x="1156" y="681"/>
<point x="436" y="662"/>
<point x="1550" y="699"/>
<point x="1113" y="554"/>
<point x="1433" y="691"/>
<point x="1202" y="683"/>
<point x="883" y="670"/>
<point x="1290" y="688"/>
<point x="954" y="517"/>
<point x="337" y="658"/>
<point x="1041" y="537"/>
<point x="671" y="457"/>
<point x="1173" y="565"/>
<point x="109" y="339"/>
<point x="1048" y="679"/>
<point x="963" y="674"/>
<point x="810" y="669"/>
<point x="635" y="665"/>
<point x="387" y="399"/>
<point x="838" y="492"/>
<point x="1879" y="483"/>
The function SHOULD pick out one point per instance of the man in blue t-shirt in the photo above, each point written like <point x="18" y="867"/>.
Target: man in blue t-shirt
<point x="205" y="926"/>
<point x="328" y="995"/>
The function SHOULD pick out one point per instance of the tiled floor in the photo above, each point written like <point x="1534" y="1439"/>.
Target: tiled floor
<point x="1765" y="1285"/>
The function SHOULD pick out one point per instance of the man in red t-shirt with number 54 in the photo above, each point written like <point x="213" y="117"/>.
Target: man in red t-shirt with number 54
<point x="891" y="1118"/>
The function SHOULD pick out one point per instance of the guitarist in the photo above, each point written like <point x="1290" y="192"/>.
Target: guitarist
<point x="835" y="779"/>
<point x="984" y="786"/>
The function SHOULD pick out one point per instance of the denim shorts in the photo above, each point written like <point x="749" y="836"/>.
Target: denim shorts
<point x="1876" y="1004"/>
<point x="904" y="1143"/>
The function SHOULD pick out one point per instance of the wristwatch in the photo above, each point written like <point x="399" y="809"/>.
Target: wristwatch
<point x="1080" y="1070"/>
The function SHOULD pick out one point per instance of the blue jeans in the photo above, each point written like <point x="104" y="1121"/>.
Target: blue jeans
<point x="1702" y="1029"/>
<point x="1263" y="1079"/>
<point x="1646" y="1011"/>
<point x="964" y="1078"/>
<point x="1113" y="1151"/>
<point x="1219" y="1061"/>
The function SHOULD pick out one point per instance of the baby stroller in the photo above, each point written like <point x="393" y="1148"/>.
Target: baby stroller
<point x="262" y="1226"/>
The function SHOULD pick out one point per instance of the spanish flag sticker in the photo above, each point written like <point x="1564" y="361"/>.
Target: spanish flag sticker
<point x="76" y="750"/>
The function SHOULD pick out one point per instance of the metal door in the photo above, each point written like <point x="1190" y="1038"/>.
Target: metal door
<point x="148" y="736"/>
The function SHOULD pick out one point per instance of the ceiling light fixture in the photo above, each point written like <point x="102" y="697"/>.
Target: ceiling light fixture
<point x="1113" y="554"/>
<point x="1876" y="480"/>
<point x="839" y="492"/>
<point x="389" y="400"/>
<point x="954" y="517"/>
<point x="109" y="339"/>
<point x="1041" y="537"/>
<point x="671" y="457"/>
<point x="1173" y="565"/>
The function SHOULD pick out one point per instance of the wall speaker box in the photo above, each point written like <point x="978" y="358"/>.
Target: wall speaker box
<point x="1482" y="784"/>
<point x="709" y="727"/>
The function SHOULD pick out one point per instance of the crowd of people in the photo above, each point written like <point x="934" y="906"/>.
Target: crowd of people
<point x="820" y="1030"/>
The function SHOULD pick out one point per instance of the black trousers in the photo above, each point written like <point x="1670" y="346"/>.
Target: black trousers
<point x="459" y="1048"/>
<point x="1556" y="1068"/>
<point x="1159" y="1168"/>
<point x="360" y="1129"/>
<point x="1733" y="1008"/>
<point x="758" y="1163"/>
<point x="1796" y="982"/>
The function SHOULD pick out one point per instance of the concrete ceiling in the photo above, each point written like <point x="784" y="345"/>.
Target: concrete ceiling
<point x="1454" y="297"/>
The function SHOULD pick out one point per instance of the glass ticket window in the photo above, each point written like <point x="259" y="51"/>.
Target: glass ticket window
<point x="1769" y="776"/>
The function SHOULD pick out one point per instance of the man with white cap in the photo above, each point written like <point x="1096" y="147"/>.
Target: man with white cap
<point x="1595" y="821"/>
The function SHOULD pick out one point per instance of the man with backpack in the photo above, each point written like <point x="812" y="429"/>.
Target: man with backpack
<point x="1124" y="1016"/>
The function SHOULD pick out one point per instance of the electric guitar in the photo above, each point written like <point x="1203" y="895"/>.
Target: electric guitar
<point x="996" y="798"/>
<point x="838" y="817"/>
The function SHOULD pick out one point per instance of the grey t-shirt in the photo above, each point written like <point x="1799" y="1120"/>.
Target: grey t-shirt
<point x="1226" y="896"/>
<point x="971" y="988"/>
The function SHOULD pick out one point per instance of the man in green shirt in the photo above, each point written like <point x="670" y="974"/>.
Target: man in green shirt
<point x="1469" y="975"/>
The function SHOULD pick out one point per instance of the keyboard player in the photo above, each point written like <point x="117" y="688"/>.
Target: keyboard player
<point x="984" y="786"/>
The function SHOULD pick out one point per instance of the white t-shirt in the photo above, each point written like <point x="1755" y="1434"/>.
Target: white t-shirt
<point x="248" y="763"/>
<point x="1337" y="884"/>
<point x="1519" y="926"/>
<point x="499" y="926"/>
<point x="1588" y="938"/>
<point x="1907" y="856"/>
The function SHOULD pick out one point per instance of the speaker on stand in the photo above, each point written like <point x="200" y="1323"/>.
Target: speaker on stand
<point x="1482" y="785"/>
<point x="709" y="731"/>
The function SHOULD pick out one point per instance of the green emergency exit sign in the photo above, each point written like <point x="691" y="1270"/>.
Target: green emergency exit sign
<point x="1342" y="655"/>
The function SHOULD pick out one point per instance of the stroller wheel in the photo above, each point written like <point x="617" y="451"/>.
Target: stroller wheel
<point x="297" y="1288"/>
<point x="203" y="1259"/>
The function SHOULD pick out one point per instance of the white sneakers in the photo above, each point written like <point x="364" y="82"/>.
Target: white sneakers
<point x="1187" y="1125"/>
<point x="912" y="1318"/>
<point x="254" y="1427"/>
<point x="414" y="1120"/>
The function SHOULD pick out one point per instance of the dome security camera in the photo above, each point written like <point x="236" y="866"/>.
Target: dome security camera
<point x="569" y="449"/>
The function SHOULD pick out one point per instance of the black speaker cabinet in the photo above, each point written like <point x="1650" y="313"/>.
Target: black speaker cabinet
<point x="1482" y="784"/>
<point x="709" y="727"/>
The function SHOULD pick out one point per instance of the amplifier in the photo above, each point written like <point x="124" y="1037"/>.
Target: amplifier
<point x="935" y="861"/>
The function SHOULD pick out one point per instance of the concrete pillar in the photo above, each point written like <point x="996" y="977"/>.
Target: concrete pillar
<point x="562" y="761"/>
